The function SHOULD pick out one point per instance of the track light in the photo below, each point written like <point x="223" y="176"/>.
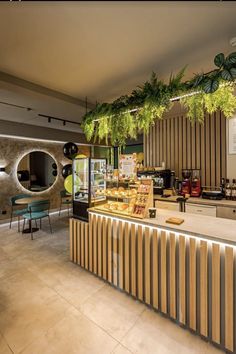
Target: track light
<point x="49" y="120"/>
<point x="64" y="122"/>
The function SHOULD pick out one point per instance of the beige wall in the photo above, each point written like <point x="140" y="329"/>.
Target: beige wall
<point x="231" y="159"/>
<point x="11" y="151"/>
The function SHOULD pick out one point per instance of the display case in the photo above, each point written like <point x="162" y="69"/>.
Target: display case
<point x="89" y="177"/>
<point x="131" y="198"/>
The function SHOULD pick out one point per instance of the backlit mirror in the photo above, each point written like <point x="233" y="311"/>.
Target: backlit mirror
<point x="37" y="171"/>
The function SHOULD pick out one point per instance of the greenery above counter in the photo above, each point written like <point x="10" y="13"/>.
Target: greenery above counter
<point x="131" y="114"/>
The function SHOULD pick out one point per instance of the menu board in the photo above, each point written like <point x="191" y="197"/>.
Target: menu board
<point x="127" y="166"/>
<point x="232" y="136"/>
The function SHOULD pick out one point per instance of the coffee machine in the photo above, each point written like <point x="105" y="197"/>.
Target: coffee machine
<point x="196" y="184"/>
<point x="186" y="182"/>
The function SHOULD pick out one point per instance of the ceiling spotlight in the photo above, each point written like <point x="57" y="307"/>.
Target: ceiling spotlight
<point x="233" y="42"/>
<point x="49" y="120"/>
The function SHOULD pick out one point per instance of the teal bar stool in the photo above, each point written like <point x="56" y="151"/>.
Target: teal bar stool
<point x="15" y="211"/>
<point x="65" y="200"/>
<point x="37" y="211"/>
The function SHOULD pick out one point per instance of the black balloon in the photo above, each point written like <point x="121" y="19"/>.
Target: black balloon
<point x="70" y="150"/>
<point x="54" y="166"/>
<point x="67" y="170"/>
<point x="54" y="173"/>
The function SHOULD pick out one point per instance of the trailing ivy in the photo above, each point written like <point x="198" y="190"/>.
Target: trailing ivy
<point x="130" y="114"/>
<point x="223" y="99"/>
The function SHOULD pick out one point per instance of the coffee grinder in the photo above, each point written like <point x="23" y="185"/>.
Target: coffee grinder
<point x="186" y="183"/>
<point x="196" y="184"/>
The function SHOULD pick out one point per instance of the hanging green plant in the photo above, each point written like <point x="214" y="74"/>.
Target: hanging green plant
<point x="195" y="107"/>
<point x="223" y="99"/>
<point x="130" y="114"/>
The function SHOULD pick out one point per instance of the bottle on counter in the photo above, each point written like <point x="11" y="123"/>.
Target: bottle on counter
<point x="233" y="190"/>
<point x="228" y="190"/>
<point x="222" y="187"/>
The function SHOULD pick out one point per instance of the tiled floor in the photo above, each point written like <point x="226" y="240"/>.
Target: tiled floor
<point x="49" y="305"/>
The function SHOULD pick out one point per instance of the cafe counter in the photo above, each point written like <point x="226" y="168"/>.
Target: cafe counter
<point x="187" y="271"/>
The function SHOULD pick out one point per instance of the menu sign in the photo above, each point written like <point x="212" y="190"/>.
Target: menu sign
<point x="232" y="136"/>
<point x="127" y="166"/>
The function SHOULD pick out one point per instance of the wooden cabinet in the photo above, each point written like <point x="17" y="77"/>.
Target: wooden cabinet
<point x="226" y="212"/>
<point x="208" y="210"/>
<point x="167" y="205"/>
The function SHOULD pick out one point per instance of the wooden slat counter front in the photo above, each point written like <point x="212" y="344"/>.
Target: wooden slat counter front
<point x="187" y="272"/>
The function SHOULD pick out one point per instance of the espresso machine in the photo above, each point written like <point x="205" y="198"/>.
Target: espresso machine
<point x="196" y="184"/>
<point x="186" y="182"/>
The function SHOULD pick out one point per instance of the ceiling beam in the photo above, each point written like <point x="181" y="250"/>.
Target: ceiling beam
<point x="43" y="90"/>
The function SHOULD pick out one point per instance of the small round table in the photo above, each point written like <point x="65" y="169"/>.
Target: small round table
<point x="24" y="201"/>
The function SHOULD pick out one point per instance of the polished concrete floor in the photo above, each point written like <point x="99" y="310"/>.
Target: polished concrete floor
<point x="49" y="305"/>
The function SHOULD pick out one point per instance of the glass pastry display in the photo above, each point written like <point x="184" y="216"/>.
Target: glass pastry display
<point x="131" y="198"/>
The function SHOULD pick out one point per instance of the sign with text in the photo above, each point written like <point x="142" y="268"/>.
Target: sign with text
<point x="127" y="166"/>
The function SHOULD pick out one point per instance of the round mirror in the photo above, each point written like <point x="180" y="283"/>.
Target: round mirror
<point x="36" y="171"/>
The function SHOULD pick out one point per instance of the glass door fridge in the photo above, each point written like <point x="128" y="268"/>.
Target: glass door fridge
<point x="89" y="182"/>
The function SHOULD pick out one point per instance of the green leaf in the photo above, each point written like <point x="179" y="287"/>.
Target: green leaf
<point x="231" y="58"/>
<point x="219" y="60"/>
<point x="228" y="74"/>
<point x="211" y="85"/>
<point x="198" y="80"/>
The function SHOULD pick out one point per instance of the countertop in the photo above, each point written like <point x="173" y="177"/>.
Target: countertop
<point x="193" y="200"/>
<point x="215" y="229"/>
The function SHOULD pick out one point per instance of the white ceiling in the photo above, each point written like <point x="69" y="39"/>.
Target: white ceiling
<point x="105" y="49"/>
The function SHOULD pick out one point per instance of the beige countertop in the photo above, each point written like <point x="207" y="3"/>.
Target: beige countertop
<point x="215" y="229"/>
<point x="193" y="200"/>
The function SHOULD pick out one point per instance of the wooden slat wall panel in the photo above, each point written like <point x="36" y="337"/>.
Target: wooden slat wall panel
<point x="91" y="217"/>
<point x="75" y="241"/>
<point x="193" y="284"/>
<point x="172" y="275"/>
<point x="218" y="149"/>
<point x="203" y="153"/>
<point x="133" y="260"/>
<point x="203" y="289"/>
<point x="147" y="266"/>
<point x="184" y="145"/>
<point x="86" y="246"/>
<point x="182" y="279"/>
<point x="104" y="248"/>
<point x="121" y="254"/>
<point x="198" y="146"/>
<point x="140" y="262"/>
<point x="229" y="299"/>
<point x="127" y="256"/>
<point x="95" y="244"/>
<point x="160" y="268"/>
<point x="176" y="162"/>
<point x="189" y="145"/>
<point x="216" y="293"/>
<point x="172" y="142"/>
<point x="71" y="240"/>
<point x="78" y="241"/>
<point x="163" y="273"/>
<point x="115" y="252"/>
<point x="155" y="262"/>
<point x="180" y="119"/>
<point x="99" y="245"/>
<point x="223" y="145"/>
<point x="109" y="250"/>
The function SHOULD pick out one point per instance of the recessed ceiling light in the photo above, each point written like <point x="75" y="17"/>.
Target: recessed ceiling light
<point x="233" y="42"/>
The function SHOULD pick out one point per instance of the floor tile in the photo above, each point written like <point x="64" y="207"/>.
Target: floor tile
<point x="73" y="334"/>
<point x="4" y="348"/>
<point x="155" y="334"/>
<point x="27" y="320"/>
<point x="113" y="310"/>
